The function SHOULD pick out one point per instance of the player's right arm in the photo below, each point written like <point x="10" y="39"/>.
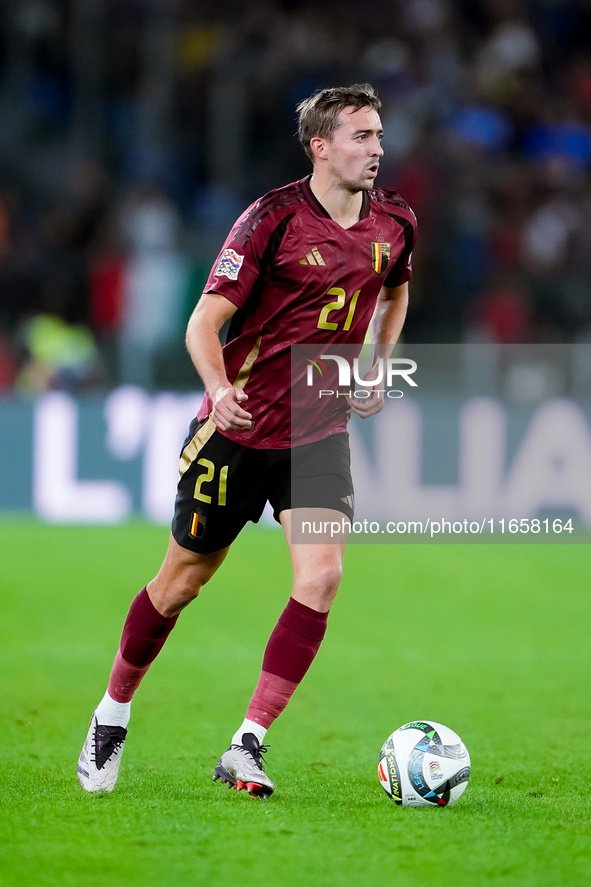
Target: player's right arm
<point x="205" y="350"/>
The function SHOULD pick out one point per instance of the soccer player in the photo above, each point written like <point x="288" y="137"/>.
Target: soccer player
<point x="313" y="262"/>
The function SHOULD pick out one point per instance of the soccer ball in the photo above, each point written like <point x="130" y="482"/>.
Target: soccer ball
<point x="424" y="764"/>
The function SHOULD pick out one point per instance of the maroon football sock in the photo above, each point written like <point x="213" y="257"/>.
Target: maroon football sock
<point x="125" y="679"/>
<point x="291" y="649"/>
<point x="144" y="634"/>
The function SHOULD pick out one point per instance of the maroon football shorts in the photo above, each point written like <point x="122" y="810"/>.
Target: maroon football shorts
<point x="224" y="484"/>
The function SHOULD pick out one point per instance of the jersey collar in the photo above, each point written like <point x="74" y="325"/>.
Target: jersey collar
<point x="320" y="210"/>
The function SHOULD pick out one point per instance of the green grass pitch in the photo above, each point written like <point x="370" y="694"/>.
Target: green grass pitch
<point x="493" y="641"/>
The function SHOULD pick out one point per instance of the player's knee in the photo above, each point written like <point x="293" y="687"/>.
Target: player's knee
<point x="320" y="588"/>
<point x="171" y="597"/>
<point x="328" y="578"/>
<point x="186" y="589"/>
<point x="205" y="574"/>
<point x="191" y="581"/>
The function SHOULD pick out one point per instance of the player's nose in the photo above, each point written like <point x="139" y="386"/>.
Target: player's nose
<point x="376" y="147"/>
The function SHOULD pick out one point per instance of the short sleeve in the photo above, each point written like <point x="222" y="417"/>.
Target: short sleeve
<point x="238" y="265"/>
<point x="401" y="270"/>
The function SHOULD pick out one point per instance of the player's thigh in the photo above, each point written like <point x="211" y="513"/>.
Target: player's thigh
<point x="320" y="475"/>
<point x="181" y="576"/>
<point x="218" y="492"/>
<point x="200" y="566"/>
<point x="314" y="476"/>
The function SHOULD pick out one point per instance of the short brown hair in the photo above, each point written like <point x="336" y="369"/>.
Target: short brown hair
<point x="318" y="116"/>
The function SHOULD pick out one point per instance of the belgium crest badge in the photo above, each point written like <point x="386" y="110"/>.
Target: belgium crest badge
<point x="380" y="256"/>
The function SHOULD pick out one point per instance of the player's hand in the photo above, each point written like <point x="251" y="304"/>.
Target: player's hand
<point x="367" y="406"/>
<point x="227" y="413"/>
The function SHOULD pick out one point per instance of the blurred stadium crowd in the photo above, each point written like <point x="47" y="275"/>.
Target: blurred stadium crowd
<point x="133" y="132"/>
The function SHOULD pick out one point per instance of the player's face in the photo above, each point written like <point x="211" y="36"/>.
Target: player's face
<point x="354" y="153"/>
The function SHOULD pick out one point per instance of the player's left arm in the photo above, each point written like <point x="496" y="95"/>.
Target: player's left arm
<point x="385" y="328"/>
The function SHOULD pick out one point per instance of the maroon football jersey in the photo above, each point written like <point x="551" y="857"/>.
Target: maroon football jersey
<point x="298" y="277"/>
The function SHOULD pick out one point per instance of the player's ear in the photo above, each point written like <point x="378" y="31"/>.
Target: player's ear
<point x="318" y="148"/>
